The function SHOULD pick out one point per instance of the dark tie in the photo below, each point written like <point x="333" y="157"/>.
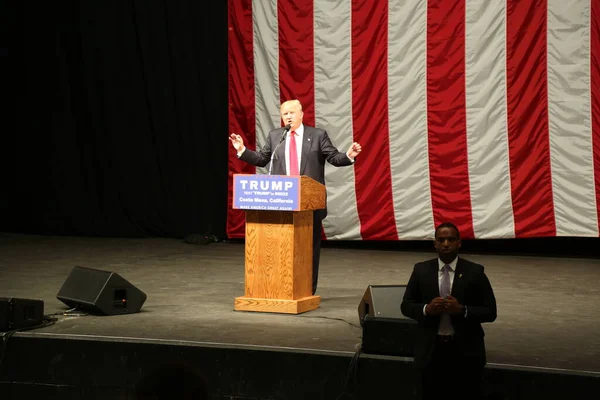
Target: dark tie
<point x="445" y="327"/>
<point x="293" y="155"/>
<point x="445" y="282"/>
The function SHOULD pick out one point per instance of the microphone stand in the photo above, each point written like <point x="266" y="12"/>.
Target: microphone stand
<point x="285" y="131"/>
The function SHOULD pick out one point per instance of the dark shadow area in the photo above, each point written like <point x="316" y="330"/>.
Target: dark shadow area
<point x="174" y="380"/>
<point x="541" y="247"/>
<point x="119" y="125"/>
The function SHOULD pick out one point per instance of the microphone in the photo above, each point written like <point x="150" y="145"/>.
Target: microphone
<point x="286" y="129"/>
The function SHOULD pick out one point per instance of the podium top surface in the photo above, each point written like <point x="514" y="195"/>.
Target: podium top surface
<point x="277" y="193"/>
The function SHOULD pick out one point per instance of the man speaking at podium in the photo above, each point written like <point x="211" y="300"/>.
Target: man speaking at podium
<point x="298" y="149"/>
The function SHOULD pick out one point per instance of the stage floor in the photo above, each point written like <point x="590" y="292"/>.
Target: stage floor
<point x="547" y="307"/>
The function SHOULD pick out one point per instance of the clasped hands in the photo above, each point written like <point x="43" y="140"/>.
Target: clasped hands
<point x="441" y="305"/>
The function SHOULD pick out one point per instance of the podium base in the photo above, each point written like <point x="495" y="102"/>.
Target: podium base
<point x="297" y="306"/>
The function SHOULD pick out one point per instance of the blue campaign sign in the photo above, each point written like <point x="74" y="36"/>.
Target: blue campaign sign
<point x="266" y="192"/>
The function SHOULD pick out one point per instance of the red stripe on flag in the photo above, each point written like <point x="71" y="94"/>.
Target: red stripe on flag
<point x="296" y="55"/>
<point x="446" y="115"/>
<point x="595" y="72"/>
<point x="241" y="101"/>
<point x="373" y="179"/>
<point x="527" y="108"/>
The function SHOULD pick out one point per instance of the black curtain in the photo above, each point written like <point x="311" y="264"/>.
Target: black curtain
<point x="117" y="123"/>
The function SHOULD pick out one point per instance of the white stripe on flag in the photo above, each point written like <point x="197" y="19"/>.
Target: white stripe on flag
<point x="266" y="70"/>
<point x="569" y="108"/>
<point x="333" y="111"/>
<point x="487" y="140"/>
<point x="407" y="99"/>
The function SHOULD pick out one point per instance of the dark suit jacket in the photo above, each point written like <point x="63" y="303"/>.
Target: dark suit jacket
<point x="472" y="288"/>
<point x="316" y="148"/>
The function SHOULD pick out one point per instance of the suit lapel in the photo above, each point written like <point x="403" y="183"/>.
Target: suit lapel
<point x="458" y="284"/>
<point x="279" y="158"/>
<point x="433" y="278"/>
<point x="307" y="142"/>
<point x="282" y="155"/>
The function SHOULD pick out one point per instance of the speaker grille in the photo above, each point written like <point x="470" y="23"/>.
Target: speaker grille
<point x="387" y="300"/>
<point x="385" y="329"/>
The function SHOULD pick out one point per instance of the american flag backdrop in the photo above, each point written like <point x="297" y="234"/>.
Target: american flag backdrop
<point x="485" y="113"/>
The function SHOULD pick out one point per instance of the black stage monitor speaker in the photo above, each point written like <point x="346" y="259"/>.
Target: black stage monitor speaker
<point x="20" y="313"/>
<point x="100" y="292"/>
<point x="385" y="329"/>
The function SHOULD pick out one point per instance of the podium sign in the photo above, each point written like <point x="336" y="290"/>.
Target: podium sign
<point x="279" y="230"/>
<point x="266" y="192"/>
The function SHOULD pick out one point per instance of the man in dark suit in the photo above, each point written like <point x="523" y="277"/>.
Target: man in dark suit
<point x="449" y="297"/>
<point x="301" y="150"/>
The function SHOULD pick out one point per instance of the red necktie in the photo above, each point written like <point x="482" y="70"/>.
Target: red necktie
<point x="293" y="155"/>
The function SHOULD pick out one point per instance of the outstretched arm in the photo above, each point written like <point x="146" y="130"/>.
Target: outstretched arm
<point x="334" y="157"/>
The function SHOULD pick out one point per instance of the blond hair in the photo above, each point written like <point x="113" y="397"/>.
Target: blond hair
<point x="294" y="102"/>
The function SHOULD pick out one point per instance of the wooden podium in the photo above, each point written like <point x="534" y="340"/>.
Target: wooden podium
<point x="278" y="260"/>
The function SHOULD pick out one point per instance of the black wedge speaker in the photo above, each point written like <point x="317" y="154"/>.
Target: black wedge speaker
<point x="385" y="329"/>
<point x="100" y="292"/>
<point x="18" y="313"/>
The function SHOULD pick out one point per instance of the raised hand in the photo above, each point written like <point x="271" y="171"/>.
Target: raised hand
<point x="237" y="141"/>
<point x="354" y="150"/>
